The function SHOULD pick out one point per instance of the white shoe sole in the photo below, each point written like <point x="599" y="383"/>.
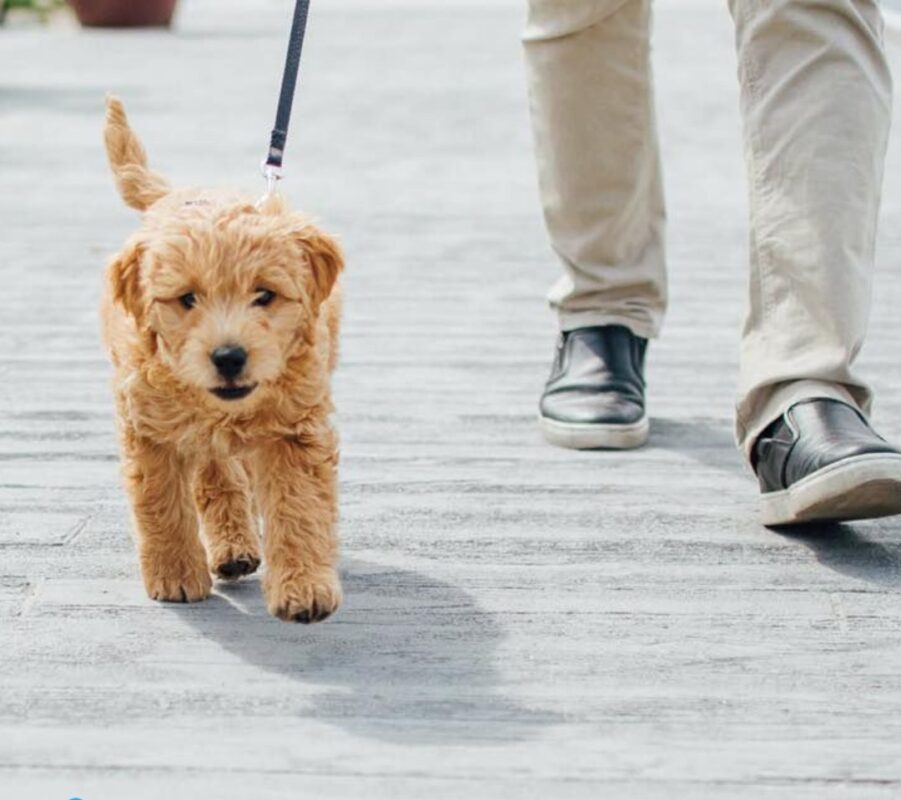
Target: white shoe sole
<point x="585" y="436"/>
<point x="862" y="487"/>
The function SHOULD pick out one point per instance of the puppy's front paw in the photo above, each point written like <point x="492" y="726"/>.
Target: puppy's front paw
<point x="177" y="581"/>
<point x="233" y="560"/>
<point x="303" y="596"/>
<point x="233" y="568"/>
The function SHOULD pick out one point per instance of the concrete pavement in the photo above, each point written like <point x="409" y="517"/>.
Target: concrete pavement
<point x="520" y="621"/>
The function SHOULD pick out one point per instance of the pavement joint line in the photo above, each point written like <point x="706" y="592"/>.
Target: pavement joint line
<point x="31" y="596"/>
<point x="77" y="529"/>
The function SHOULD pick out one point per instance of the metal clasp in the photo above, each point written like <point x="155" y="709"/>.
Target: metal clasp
<point x="273" y="175"/>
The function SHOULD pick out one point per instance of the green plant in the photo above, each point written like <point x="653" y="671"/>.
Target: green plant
<point x="42" y="8"/>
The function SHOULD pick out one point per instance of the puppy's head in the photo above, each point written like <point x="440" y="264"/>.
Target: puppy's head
<point x="222" y="291"/>
<point x="225" y="294"/>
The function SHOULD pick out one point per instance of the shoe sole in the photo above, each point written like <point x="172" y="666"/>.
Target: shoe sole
<point x="862" y="487"/>
<point x="595" y="436"/>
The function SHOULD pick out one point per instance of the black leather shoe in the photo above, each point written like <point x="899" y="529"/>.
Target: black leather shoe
<point x="595" y="394"/>
<point x="822" y="461"/>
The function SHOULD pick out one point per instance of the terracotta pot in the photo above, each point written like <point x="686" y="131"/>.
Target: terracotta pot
<point x="123" y="13"/>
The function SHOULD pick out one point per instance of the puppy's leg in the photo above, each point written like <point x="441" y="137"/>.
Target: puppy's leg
<point x="173" y="564"/>
<point x="298" y="494"/>
<point x="222" y="494"/>
<point x="331" y="311"/>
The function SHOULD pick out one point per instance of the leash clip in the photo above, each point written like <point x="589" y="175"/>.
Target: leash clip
<point x="273" y="175"/>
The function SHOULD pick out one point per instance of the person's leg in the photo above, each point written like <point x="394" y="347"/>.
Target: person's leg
<point x="591" y="96"/>
<point x="816" y="101"/>
<point x="588" y="64"/>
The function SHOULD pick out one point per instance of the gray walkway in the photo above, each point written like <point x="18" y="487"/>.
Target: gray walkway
<point x="520" y="621"/>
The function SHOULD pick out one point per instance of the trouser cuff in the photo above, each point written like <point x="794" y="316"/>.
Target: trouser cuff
<point x="570" y="320"/>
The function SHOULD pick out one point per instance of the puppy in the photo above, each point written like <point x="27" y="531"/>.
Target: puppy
<point x="221" y="320"/>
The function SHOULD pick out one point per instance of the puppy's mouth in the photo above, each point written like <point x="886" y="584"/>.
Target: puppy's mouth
<point x="233" y="392"/>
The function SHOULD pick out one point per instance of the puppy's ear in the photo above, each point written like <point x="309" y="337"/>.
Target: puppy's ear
<point x="326" y="261"/>
<point x="123" y="275"/>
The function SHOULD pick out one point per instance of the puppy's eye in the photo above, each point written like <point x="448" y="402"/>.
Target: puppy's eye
<point x="188" y="300"/>
<point x="264" y="297"/>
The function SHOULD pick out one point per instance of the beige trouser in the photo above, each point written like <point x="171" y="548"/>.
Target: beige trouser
<point x="816" y="101"/>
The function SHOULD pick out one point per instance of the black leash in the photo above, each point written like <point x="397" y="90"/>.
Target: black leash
<point x="272" y="166"/>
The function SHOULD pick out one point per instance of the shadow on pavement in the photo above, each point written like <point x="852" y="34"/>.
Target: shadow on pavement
<point x="407" y="658"/>
<point x="844" y="550"/>
<point x="708" y="441"/>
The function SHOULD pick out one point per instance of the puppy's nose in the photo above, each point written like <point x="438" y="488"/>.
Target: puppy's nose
<point x="229" y="360"/>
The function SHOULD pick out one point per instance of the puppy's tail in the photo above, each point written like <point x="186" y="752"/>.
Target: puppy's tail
<point x="139" y="186"/>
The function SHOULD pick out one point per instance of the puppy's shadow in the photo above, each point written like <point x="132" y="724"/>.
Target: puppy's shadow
<point x="843" y="549"/>
<point x="407" y="658"/>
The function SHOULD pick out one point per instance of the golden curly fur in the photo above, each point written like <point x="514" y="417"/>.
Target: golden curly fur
<point x="206" y="450"/>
